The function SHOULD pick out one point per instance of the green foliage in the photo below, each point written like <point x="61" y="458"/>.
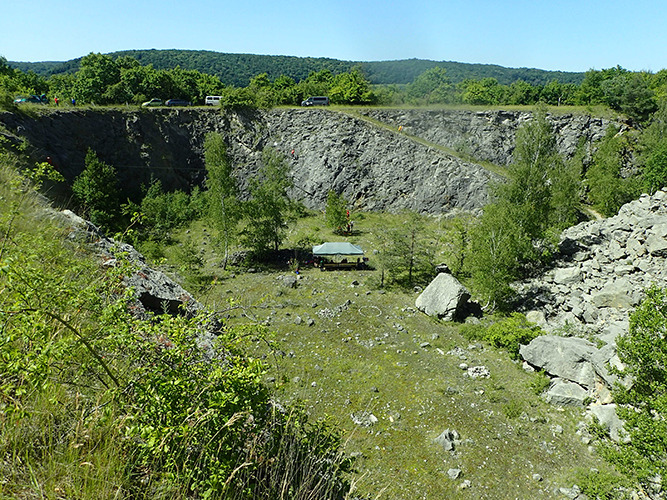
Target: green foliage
<point x="97" y="73"/>
<point x="163" y="212"/>
<point x="98" y="404"/>
<point x="653" y="151"/>
<point x="269" y="209"/>
<point x="264" y="81"/>
<point x="456" y="242"/>
<point x="336" y="212"/>
<point x="494" y="260"/>
<point x="643" y="405"/>
<point x="608" y="190"/>
<point x="407" y="255"/>
<point x="540" y="195"/>
<point x="540" y="383"/>
<point x="224" y="207"/>
<point x="351" y="88"/>
<point x="602" y="485"/>
<point x="654" y="175"/>
<point x="237" y="98"/>
<point x="96" y="193"/>
<point x="432" y="86"/>
<point x="509" y="333"/>
<point x="485" y="91"/>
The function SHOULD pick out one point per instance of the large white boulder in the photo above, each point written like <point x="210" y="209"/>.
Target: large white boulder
<point x="445" y="297"/>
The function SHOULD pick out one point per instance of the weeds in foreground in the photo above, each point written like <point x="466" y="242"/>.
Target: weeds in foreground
<point x="98" y="404"/>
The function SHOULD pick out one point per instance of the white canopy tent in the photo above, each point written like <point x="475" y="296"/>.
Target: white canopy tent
<point x="337" y="248"/>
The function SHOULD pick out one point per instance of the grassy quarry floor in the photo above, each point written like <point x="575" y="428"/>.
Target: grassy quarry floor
<point x="346" y="350"/>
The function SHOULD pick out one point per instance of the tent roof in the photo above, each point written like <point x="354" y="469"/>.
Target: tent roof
<point x="337" y="248"/>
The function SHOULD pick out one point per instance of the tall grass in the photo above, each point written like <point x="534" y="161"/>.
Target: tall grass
<point x="97" y="404"/>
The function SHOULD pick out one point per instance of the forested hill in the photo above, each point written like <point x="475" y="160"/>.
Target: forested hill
<point x="238" y="69"/>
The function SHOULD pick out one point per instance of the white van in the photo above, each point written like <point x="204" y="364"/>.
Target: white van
<point x="316" y="101"/>
<point x="213" y="100"/>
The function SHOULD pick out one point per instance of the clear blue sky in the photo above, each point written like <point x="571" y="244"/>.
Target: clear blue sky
<point x="565" y="35"/>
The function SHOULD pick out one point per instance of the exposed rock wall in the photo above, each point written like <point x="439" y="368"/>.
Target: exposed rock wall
<point x="377" y="168"/>
<point x="488" y="135"/>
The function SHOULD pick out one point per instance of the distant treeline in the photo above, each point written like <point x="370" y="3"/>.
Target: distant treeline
<point x="238" y="69"/>
<point x="111" y="79"/>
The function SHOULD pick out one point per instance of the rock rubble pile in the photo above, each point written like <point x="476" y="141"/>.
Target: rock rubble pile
<point x="584" y="302"/>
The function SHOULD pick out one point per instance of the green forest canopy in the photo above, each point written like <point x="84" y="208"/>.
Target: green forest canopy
<point x="238" y="69"/>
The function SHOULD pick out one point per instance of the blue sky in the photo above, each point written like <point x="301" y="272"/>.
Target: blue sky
<point x="562" y="35"/>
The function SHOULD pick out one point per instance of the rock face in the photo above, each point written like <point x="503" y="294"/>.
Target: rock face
<point x="602" y="270"/>
<point x="375" y="167"/>
<point x="488" y="135"/>
<point x="154" y="291"/>
<point x="445" y="297"/>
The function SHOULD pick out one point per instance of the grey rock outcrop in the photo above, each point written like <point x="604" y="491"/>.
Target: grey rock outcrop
<point x="601" y="273"/>
<point x="154" y="291"/>
<point x="488" y="135"/>
<point x="374" y="166"/>
<point x="602" y="270"/>
<point x="445" y="297"/>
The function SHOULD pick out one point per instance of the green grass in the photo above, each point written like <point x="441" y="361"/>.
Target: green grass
<point x="381" y="355"/>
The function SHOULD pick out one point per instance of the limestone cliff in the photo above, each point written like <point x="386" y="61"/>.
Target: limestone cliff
<point x="376" y="167"/>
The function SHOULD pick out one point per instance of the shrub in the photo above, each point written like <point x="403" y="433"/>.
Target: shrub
<point x="601" y="485"/>
<point x="539" y="383"/>
<point x="512" y="332"/>
<point x="508" y="333"/>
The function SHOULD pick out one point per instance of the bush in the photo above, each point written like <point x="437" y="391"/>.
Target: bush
<point x="98" y="404"/>
<point x="163" y="212"/>
<point x="601" y="485"/>
<point x="509" y="333"/>
<point x="539" y="383"/>
<point x="643" y="405"/>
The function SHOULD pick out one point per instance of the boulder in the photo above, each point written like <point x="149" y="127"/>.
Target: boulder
<point x="445" y="297"/>
<point x="569" y="358"/>
<point x="566" y="393"/>
<point x="608" y="419"/>
<point x="449" y="439"/>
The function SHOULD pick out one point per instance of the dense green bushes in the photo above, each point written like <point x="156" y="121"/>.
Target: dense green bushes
<point x="95" y="403"/>
<point x="130" y="78"/>
<point x="508" y="333"/>
<point x="642" y="404"/>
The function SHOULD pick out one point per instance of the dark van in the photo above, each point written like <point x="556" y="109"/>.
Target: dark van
<point x="316" y="101"/>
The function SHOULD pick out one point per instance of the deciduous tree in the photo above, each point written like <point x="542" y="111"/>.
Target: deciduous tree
<point x="269" y="209"/>
<point x="224" y="208"/>
<point x="336" y="212"/>
<point x="96" y="191"/>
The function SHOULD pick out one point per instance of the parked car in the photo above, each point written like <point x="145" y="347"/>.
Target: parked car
<point x="316" y="101"/>
<point x="152" y="102"/>
<point x="178" y="102"/>
<point x="33" y="98"/>
<point x="212" y="100"/>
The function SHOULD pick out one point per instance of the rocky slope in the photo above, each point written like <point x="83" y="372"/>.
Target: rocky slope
<point x="489" y="135"/>
<point x="584" y="302"/>
<point x="376" y="167"/>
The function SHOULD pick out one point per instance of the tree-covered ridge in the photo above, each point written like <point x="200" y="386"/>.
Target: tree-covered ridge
<point x="102" y="79"/>
<point x="238" y="69"/>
